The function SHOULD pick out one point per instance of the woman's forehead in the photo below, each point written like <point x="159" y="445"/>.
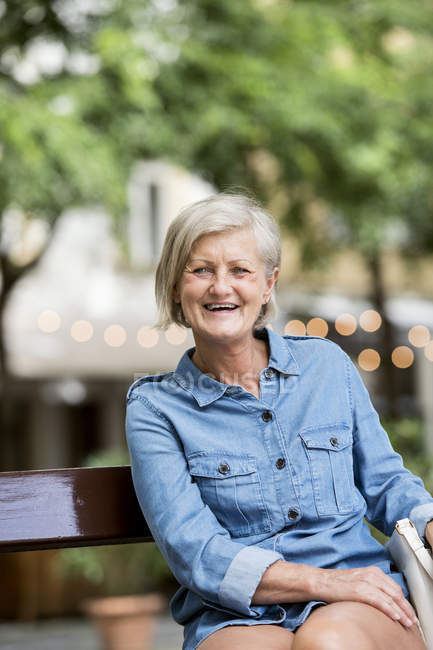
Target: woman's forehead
<point x="234" y="245"/>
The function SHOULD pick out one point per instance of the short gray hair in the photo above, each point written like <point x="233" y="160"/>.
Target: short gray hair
<point x="221" y="212"/>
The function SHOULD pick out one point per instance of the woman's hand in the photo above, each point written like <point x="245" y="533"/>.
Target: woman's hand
<point x="288" y="582"/>
<point x="366" y="585"/>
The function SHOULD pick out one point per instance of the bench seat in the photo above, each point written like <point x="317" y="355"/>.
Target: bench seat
<point x="60" y="508"/>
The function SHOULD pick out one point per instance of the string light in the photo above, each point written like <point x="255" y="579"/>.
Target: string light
<point x="295" y="328"/>
<point x="428" y="351"/>
<point x="419" y="336"/>
<point x="81" y="331"/>
<point x="115" y="336"/>
<point x="369" y="359"/>
<point x="370" y="320"/>
<point x="147" y="337"/>
<point x="317" y="327"/>
<point x="402" y="356"/>
<point x="345" y="324"/>
<point x="175" y="334"/>
<point x="49" y="321"/>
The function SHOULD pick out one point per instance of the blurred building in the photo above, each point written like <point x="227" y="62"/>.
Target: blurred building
<point x="79" y="328"/>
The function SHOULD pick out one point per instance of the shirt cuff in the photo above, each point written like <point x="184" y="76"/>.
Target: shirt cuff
<point x="420" y="516"/>
<point x="243" y="576"/>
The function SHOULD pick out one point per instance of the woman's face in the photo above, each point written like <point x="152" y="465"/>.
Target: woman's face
<point x="224" y="286"/>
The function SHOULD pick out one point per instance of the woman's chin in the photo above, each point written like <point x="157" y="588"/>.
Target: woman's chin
<point x="222" y="330"/>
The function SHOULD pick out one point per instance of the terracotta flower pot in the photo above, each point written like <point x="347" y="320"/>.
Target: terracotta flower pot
<point x="125" y="622"/>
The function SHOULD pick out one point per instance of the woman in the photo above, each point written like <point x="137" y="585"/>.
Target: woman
<point x="255" y="461"/>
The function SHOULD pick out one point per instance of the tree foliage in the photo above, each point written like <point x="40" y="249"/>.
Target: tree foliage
<point x="336" y="94"/>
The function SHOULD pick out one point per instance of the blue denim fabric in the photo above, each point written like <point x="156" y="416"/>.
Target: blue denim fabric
<point x="229" y="483"/>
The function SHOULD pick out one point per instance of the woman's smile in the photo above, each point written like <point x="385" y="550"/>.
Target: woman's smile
<point x="221" y="308"/>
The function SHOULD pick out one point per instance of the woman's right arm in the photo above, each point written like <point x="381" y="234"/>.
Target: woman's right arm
<point x="198" y="550"/>
<point x="286" y="582"/>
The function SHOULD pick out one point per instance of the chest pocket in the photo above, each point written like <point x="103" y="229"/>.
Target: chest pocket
<point x="329" y="453"/>
<point x="230" y="486"/>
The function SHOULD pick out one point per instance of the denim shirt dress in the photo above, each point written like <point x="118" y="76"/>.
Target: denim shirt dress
<point x="229" y="483"/>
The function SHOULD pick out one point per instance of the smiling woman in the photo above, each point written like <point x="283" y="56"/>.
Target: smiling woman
<point x="256" y="461"/>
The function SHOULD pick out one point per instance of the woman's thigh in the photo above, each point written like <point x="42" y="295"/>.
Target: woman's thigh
<point x="355" y="625"/>
<point x="248" y="637"/>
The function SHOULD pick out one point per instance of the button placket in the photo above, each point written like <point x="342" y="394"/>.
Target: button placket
<point x="275" y="446"/>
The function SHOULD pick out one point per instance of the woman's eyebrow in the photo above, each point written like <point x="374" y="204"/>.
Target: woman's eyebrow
<point x="201" y="259"/>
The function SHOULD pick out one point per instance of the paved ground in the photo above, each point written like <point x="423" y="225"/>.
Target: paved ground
<point x="75" y="634"/>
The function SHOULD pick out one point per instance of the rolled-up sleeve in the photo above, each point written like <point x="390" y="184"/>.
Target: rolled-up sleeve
<point x="390" y="490"/>
<point x="198" y="550"/>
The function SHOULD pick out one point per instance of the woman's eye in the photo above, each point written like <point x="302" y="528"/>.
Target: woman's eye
<point x="237" y="270"/>
<point x="203" y="270"/>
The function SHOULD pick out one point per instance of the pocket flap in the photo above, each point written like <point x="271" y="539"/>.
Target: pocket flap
<point x="221" y="465"/>
<point x="332" y="439"/>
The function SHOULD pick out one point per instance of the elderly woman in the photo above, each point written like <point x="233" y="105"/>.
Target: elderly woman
<point x="257" y="459"/>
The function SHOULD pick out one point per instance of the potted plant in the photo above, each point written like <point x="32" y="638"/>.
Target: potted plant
<point x="125" y="575"/>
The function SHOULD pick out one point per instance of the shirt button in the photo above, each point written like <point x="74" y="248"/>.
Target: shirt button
<point x="266" y="416"/>
<point x="223" y="468"/>
<point x="280" y="463"/>
<point x="269" y="373"/>
<point x="334" y="442"/>
<point x="293" y="514"/>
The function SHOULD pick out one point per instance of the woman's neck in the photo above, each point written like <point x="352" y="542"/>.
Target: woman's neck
<point x="237" y="363"/>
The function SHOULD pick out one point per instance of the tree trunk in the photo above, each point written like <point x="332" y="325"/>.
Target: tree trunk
<point x="6" y="451"/>
<point x="387" y="342"/>
<point x="9" y="276"/>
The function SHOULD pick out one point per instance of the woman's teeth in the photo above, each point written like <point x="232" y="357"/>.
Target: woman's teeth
<point x="220" y="307"/>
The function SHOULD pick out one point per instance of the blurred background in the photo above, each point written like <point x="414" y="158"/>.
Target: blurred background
<point x="113" y="116"/>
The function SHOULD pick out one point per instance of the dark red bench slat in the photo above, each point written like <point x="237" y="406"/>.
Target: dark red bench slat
<point x="69" y="507"/>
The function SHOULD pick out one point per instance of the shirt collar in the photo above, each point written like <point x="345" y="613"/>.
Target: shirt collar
<point x="206" y="390"/>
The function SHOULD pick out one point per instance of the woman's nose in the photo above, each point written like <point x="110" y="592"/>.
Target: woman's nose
<point x="221" y="282"/>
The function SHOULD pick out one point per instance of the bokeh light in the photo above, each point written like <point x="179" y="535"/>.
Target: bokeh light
<point x="402" y="356"/>
<point x="81" y="331"/>
<point x="115" y="336"/>
<point x="369" y="359"/>
<point x="428" y="351"/>
<point x="317" y="327"/>
<point x="419" y="336"/>
<point x="295" y="328"/>
<point x="147" y="337"/>
<point x="49" y="321"/>
<point x="175" y="334"/>
<point x="345" y="324"/>
<point x="370" y="320"/>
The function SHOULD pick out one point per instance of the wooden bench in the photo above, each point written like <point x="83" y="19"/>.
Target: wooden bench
<point x="60" y="508"/>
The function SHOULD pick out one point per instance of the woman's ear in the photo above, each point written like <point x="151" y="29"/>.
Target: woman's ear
<point x="270" y="283"/>
<point x="175" y="294"/>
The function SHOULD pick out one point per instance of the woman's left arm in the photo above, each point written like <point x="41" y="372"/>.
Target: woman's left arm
<point x="390" y="490"/>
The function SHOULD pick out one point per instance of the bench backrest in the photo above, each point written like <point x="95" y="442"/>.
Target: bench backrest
<point x="69" y="507"/>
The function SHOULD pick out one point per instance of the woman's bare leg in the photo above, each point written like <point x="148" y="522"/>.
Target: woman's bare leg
<point x="357" y="626"/>
<point x="249" y="637"/>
